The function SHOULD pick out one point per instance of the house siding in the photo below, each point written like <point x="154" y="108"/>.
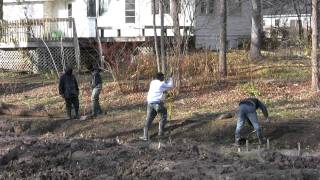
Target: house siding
<point x="114" y="19"/>
<point x="16" y="11"/>
<point x="207" y="28"/>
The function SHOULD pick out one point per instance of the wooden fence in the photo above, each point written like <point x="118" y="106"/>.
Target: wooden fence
<point x="26" y="30"/>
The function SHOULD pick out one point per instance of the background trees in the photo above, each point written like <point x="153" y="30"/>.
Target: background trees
<point x="256" y="31"/>
<point x="1" y="9"/>
<point x="314" y="55"/>
<point x="223" y="38"/>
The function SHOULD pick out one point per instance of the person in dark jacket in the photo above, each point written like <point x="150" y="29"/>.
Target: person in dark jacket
<point x="247" y="112"/>
<point x="96" y="86"/>
<point x="69" y="90"/>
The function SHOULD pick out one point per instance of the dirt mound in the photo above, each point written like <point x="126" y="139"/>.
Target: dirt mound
<point x="11" y="109"/>
<point x="97" y="159"/>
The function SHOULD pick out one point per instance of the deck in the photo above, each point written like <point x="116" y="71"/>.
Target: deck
<point x="32" y="33"/>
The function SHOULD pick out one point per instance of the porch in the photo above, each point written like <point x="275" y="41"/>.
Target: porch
<point x="38" y="44"/>
<point x="34" y="33"/>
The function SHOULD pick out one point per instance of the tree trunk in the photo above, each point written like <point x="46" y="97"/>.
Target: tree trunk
<point x="1" y="9"/>
<point x="100" y="60"/>
<point x="223" y="38"/>
<point x="318" y="22"/>
<point x="296" y="6"/>
<point x="156" y="47"/>
<point x="314" y="56"/>
<point x="256" y="31"/>
<point x="175" y="5"/>
<point x="162" y="48"/>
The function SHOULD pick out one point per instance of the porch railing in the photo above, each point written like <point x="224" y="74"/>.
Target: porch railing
<point x="28" y="30"/>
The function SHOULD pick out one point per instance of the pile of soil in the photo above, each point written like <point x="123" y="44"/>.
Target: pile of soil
<point x="54" y="158"/>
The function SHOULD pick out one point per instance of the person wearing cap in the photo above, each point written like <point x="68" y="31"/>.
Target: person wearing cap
<point x="69" y="90"/>
<point x="247" y="112"/>
<point x="155" y="104"/>
<point x="96" y="86"/>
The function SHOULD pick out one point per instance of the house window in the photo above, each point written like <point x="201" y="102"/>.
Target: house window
<point x="130" y="11"/>
<point x="103" y="8"/>
<point x="293" y="23"/>
<point x="157" y="6"/>
<point x="211" y="6"/>
<point x="207" y="7"/>
<point x="166" y="6"/>
<point x="203" y="7"/>
<point x="277" y="22"/>
<point x="70" y="14"/>
<point x="91" y="8"/>
<point x="234" y="7"/>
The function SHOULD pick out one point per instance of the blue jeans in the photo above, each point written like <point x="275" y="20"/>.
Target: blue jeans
<point x="247" y="112"/>
<point x="152" y="110"/>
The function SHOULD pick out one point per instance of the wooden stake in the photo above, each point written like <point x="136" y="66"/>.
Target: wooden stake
<point x="239" y="150"/>
<point x="299" y="149"/>
<point x="268" y="144"/>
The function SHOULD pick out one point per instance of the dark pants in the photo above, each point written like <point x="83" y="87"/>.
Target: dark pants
<point x="247" y="112"/>
<point x="152" y="111"/>
<point x="72" y="101"/>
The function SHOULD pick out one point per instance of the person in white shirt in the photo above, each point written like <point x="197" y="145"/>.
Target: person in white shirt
<point x="155" y="104"/>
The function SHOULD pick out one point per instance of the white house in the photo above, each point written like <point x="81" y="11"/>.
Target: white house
<point x="38" y="9"/>
<point x="283" y="14"/>
<point x="207" y="23"/>
<point x="133" y="18"/>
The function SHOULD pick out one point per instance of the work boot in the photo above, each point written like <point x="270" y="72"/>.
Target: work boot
<point x="77" y="115"/>
<point x="237" y="142"/>
<point x="145" y="135"/>
<point x="262" y="141"/>
<point x="240" y="141"/>
<point x="69" y="114"/>
<point x="161" y="133"/>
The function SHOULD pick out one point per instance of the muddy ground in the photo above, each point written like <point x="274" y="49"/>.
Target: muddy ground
<point x="37" y="142"/>
<point x="28" y="154"/>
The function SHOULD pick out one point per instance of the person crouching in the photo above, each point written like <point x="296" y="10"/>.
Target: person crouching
<point x="247" y="112"/>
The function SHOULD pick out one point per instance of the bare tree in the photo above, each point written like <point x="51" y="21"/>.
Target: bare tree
<point x="256" y="31"/>
<point x="314" y="56"/>
<point x="98" y="36"/>
<point x="156" y="47"/>
<point x="175" y="6"/>
<point x="296" y="6"/>
<point x="223" y="38"/>
<point x="162" y="48"/>
<point x="1" y="9"/>
<point x="318" y="22"/>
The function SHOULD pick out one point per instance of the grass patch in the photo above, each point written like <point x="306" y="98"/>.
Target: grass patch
<point x="285" y="73"/>
<point x="250" y="89"/>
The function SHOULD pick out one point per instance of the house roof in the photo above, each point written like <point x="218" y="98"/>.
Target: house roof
<point x="278" y="7"/>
